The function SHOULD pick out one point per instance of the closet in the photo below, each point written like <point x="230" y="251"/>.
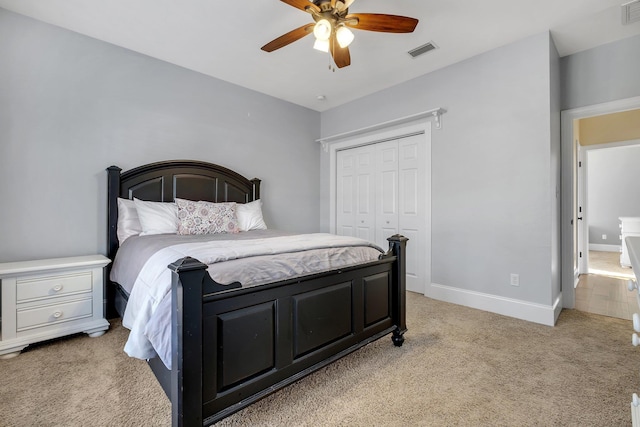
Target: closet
<point x="380" y="191"/>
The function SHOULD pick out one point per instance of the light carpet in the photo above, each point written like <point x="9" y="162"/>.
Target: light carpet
<point x="458" y="366"/>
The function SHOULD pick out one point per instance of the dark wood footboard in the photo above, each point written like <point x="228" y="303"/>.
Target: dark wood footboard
<point x="233" y="347"/>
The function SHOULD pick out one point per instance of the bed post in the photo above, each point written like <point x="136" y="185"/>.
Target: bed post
<point x="256" y="189"/>
<point x="186" y="342"/>
<point x="398" y="246"/>
<point x="113" y="192"/>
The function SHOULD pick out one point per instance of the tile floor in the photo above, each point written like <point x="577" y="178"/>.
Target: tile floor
<point x="606" y="292"/>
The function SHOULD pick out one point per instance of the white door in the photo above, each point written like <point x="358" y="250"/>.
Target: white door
<point x="382" y="190"/>
<point x="386" y="197"/>
<point x="346" y="195"/>
<point x="355" y="208"/>
<point x="412" y="209"/>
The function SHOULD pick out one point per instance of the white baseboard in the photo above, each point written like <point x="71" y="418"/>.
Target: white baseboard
<point x="604" y="248"/>
<point x="532" y="312"/>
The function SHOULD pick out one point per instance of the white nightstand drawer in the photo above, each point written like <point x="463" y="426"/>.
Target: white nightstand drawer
<point x="50" y="314"/>
<point x="30" y="288"/>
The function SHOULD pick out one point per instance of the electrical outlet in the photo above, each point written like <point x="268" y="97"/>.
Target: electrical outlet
<point x="515" y="279"/>
<point x="604" y="237"/>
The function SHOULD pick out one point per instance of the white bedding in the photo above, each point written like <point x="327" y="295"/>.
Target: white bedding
<point x="148" y="312"/>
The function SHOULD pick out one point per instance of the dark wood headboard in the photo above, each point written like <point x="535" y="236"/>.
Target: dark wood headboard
<point x="164" y="181"/>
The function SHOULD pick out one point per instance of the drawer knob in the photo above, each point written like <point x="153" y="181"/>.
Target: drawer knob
<point x="57" y="314"/>
<point x="57" y="288"/>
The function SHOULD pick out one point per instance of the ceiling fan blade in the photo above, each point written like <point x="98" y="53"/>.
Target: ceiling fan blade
<point x="302" y="4"/>
<point x="341" y="55"/>
<point x="381" y="22"/>
<point x="288" y="38"/>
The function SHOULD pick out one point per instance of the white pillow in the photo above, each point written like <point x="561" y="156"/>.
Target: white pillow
<point x="157" y="217"/>
<point x="250" y="216"/>
<point x="128" y="222"/>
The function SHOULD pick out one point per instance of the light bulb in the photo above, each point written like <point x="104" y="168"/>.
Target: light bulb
<point x="344" y="36"/>
<point x="322" y="30"/>
<point x="321" y="45"/>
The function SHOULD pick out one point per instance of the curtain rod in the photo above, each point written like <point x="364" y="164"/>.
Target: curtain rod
<point x="435" y="113"/>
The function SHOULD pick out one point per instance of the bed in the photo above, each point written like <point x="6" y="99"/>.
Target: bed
<point x="231" y="345"/>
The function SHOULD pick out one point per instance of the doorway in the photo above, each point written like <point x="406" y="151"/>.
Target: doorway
<point x="607" y="191"/>
<point x="571" y="244"/>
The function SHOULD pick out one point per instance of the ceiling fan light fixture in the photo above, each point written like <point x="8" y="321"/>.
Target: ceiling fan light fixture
<point x="329" y="18"/>
<point x="344" y="36"/>
<point x="321" y="45"/>
<point x="322" y="30"/>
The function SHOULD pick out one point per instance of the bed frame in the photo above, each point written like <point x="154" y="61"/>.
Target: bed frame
<point x="233" y="346"/>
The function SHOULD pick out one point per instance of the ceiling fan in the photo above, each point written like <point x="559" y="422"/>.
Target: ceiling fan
<point x="331" y="27"/>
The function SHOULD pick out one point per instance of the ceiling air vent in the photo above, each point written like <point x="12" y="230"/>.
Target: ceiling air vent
<point x="631" y="12"/>
<point x="427" y="47"/>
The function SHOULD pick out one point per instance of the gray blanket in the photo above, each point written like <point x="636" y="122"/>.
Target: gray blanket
<point x="135" y="251"/>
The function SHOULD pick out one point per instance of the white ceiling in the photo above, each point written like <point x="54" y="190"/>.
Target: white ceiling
<point x="223" y="39"/>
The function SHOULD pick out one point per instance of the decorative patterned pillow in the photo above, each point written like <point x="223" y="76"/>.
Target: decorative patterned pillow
<point x="206" y="217"/>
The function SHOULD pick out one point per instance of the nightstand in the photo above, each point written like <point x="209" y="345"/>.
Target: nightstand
<point x="50" y="298"/>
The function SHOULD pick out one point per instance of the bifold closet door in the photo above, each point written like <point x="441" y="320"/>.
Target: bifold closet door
<point x="386" y="191"/>
<point x="355" y="204"/>
<point x="380" y="192"/>
<point x="367" y="192"/>
<point x="412" y="206"/>
<point x="400" y="204"/>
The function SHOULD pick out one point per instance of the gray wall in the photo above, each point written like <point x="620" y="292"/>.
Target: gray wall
<point x="70" y="106"/>
<point x="494" y="166"/>
<point x="613" y="190"/>
<point x="605" y="73"/>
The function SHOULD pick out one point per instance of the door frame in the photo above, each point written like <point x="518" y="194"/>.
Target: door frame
<point x="582" y="226"/>
<point x="421" y="127"/>
<point x="569" y="181"/>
